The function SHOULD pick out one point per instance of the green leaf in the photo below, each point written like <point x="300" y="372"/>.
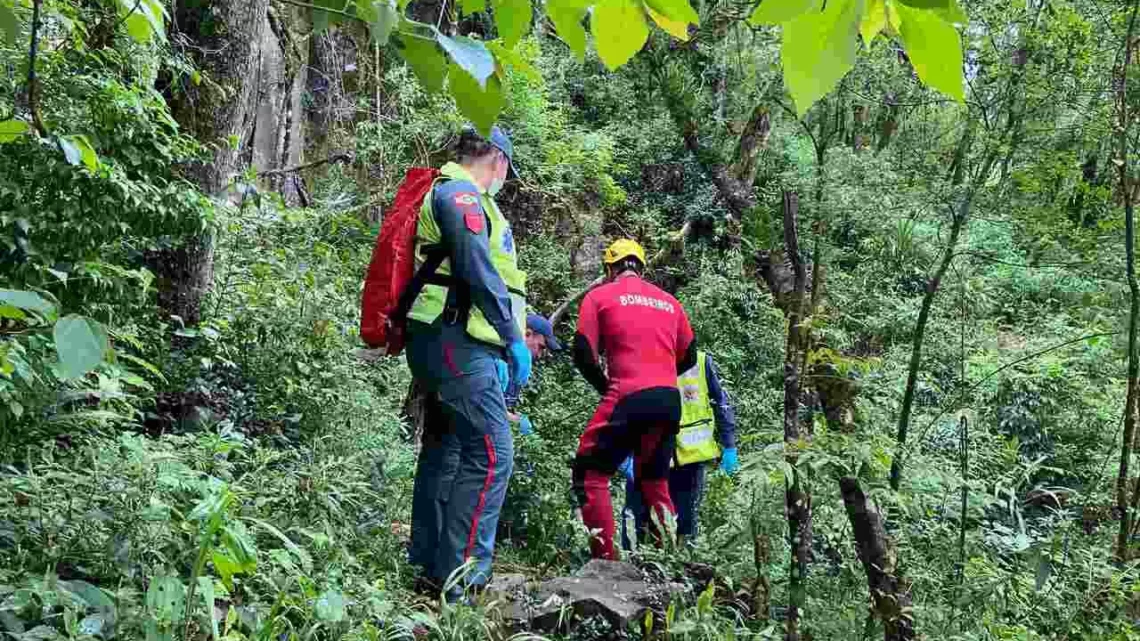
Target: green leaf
<point x="240" y="546"/>
<point x="511" y="58"/>
<point x="512" y="19"/>
<point x="874" y="20"/>
<point x="675" y="10"/>
<point x="226" y="567"/>
<point x="677" y="28"/>
<point x="425" y="58"/>
<point x="143" y="19"/>
<point x="818" y="49"/>
<point x="934" y="48"/>
<point x="386" y="17"/>
<point x="780" y="11"/>
<point x="166" y="599"/>
<point x="468" y="7"/>
<point x="330" y="607"/>
<point x="77" y="149"/>
<point x="80" y="344"/>
<point x="11" y="130"/>
<point x="302" y="555"/>
<point x="567" y="16"/>
<point x="9" y="24"/>
<point x="206" y="588"/>
<point x="30" y="301"/>
<point x="470" y="55"/>
<point x="619" y="30"/>
<point x="479" y="104"/>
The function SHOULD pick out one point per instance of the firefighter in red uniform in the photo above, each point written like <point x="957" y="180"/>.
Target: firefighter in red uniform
<point x="645" y="338"/>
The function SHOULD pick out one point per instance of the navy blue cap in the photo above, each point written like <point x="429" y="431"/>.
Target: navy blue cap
<point x="500" y="139"/>
<point x="540" y="325"/>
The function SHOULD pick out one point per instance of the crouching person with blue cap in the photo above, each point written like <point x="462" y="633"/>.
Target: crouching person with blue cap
<point x="469" y="317"/>
<point x="704" y="405"/>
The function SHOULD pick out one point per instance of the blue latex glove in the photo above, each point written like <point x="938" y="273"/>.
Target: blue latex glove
<point x="729" y="462"/>
<point x="501" y="370"/>
<point x="626" y="468"/>
<point x="520" y="363"/>
<point x="525" y="428"/>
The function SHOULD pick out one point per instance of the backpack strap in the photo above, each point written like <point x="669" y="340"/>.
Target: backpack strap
<point x="434" y="255"/>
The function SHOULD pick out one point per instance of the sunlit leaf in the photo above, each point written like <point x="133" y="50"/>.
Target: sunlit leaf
<point x="79" y="344"/>
<point x="619" y="29"/>
<point x="934" y="48"/>
<point x="818" y="49"/>
<point x="11" y="130"/>
<point x="468" y="7"/>
<point x="425" y="58"/>
<point x="674" y="10"/>
<point x="470" y="55"/>
<point x="512" y="19"/>
<point x="567" y="16"/>
<point x="78" y="150"/>
<point x="774" y="12"/>
<point x="511" y="58"/>
<point x="677" y="28"/>
<point x="479" y="104"/>
<point x="874" y="20"/>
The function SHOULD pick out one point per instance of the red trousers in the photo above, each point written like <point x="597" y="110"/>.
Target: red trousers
<point x="643" y="424"/>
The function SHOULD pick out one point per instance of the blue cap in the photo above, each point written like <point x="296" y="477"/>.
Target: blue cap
<point x="540" y="325"/>
<point x="500" y="139"/>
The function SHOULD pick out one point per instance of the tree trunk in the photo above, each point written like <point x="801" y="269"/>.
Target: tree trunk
<point x="889" y="594"/>
<point x="1123" y="478"/>
<point x="797" y="498"/>
<point x="293" y="146"/>
<point x="225" y="38"/>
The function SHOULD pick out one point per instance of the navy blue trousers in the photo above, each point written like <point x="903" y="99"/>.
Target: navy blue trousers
<point x="467" y="456"/>
<point x="686" y="489"/>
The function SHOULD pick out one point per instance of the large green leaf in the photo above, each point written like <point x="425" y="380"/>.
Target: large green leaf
<point x="512" y="18"/>
<point x="423" y="55"/>
<point x="469" y="7"/>
<point x="470" y="55"/>
<point x="675" y="10"/>
<point x="30" y="301"/>
<point x="567" y="16"/>
<point x="818" y="49"/>
<point x="143" y="19"/>
<point x="166" y="599"/>
<point x="480" y="104"/>
<point x="78" y="150"/>
<point x="80" y="344"/>
<point x="619" y="29"/>
<point x="677" y="28"/>
<point x="934" y="48"/>
<point x="381" y="16"/>
<point x="11" y="130"/>
<point x="512" y="59"/>
<point x="874" y="20"/>
<point x="206" y="589"/>
<point x="9" y="23"/>
<point x="780" y="11"/>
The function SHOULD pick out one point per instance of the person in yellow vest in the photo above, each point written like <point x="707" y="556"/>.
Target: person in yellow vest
<point x="704" y="406"/>
<point x="466" y="343"/>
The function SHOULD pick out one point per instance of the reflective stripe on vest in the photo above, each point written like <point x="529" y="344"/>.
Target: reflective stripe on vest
<point x="431" y="301"/>
<point x="696" y="442"/>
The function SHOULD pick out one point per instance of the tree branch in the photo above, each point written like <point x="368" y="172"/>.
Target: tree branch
<point x="335" y="158"/>
<point x="33" y="81"/>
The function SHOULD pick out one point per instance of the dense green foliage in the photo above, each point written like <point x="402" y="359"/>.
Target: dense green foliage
<point x="248" y="476"/>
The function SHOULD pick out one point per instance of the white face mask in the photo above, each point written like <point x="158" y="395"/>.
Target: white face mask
<point x="496" y="185"/>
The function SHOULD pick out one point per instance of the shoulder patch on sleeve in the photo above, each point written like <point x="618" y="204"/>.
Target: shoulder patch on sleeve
<point x="465" y="199"/>
<point x="473" y="220"/>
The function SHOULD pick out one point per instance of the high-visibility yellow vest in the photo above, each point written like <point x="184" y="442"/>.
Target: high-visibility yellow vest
<point x="696" y="442"/>
<point x="432" y="299"/>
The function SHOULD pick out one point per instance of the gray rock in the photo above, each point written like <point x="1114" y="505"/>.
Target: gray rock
<point x="613" y="590"/>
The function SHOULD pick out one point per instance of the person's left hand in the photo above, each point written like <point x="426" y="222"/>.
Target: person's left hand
<point x="729" y="462"/>
<point x="525" y="428"/>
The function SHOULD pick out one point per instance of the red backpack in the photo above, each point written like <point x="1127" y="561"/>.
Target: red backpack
<point x="393" y="283"/>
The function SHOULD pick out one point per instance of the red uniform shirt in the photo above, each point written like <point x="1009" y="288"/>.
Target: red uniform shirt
<point x="642" y="331"/>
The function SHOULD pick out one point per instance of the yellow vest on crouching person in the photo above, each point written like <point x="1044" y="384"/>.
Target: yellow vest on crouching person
<point x="696" y="442"/>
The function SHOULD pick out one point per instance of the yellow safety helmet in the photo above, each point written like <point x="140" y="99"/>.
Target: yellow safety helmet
<point x="624" y="248"/>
